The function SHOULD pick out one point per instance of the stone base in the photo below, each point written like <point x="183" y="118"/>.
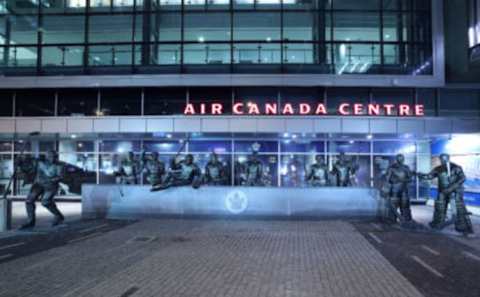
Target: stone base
<point x="137" y="202"/>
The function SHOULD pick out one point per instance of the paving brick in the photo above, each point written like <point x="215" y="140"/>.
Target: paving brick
<point x="208" y="258"/>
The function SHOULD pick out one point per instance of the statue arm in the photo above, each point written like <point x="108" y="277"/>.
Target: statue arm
<point x="431" y="175"/>
<point x="460" y="179"/>
<point x="309" y="173"/>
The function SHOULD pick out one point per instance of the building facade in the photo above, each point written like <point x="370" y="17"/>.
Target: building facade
<point x="287" y="78"/>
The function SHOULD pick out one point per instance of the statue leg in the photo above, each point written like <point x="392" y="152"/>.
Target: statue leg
<point x="33" y="195"/>
<point x="405" y="205"/>
<point x="463" y="223"/>
<point x="440" y="211"/>
<point x="395" y="202"/>
<point x="49" y="203"/>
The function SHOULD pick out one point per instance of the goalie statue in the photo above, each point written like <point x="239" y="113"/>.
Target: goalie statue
<point x="450" y="179"/>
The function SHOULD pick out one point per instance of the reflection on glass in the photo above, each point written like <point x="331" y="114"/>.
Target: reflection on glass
<point x="293" y="170"/>
<point x="6" y="171"/>
<point x="79" y="169"/>
<point x="269" y="170"/>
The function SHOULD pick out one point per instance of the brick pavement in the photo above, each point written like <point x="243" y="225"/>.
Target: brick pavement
<point x="210" y="258"/>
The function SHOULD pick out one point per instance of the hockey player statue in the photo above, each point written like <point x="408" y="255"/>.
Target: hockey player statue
<point x="395" y="189"/>
<point x="214" y="172"/>
<point x="317" y="175"/>
<point x="48" y="173"/>
<point x="154" y="169"/>
<point x="128" y="170"/>
<point x="254" y="171"/>
<point x="181" y="173"/>
<point x="450" y="179"/>
<point x="344" y="171"/>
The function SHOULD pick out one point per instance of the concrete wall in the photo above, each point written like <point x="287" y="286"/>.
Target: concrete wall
<point x="241" y="124"/>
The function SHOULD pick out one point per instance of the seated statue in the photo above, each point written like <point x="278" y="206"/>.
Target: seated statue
<point x="182" y="173"/>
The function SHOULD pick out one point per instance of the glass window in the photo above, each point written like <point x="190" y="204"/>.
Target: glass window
<point x="110" y="28"/>
<point x="165" y="146"/>
<point x="6" y="170"/>
<point x="337" y="96"/>
<point x="396" y="27"/>
<point x="205" y="53"/>
<point x="23" y="29"/>
<point x="260" y="96"/>
<point x="217" y="146"/>
<point x="164" y="101"/>
<point x="205" y="27"/>
<point x="76" y="5"/>
<point x="301" y="146"/>
<point x="6" y="146"/>
<point x="76" y="146"/>
<point x="77" y="102"/>
<point x="109" y="55"/>
<point x="34" y="103"/>
<point x="427" y="97"/>
<point x="458" y="102"/>
<point x="166" y="27"/>
<point x="362" y="176"/>
<point x="293" y="169"/>
<point x="248" y="146"/>
<point x="264" y="26"/>
<point x="119" y="146"/>
<point x="298" y="53"/>
<point x="312" y="96"/>
<point x="357" y="5"/>
<point x="350" y="146"/>
<point x="63" y="29"/>
<point x="394" y="147"/>
<point x="256" y="53"/>
<point x="208" y="96"/>
<point x="79" y="169"/>
<point x="21" y="56"/>
<point x="299" y="26"/>
<point x="100" y="5"/>
<point x="269" y="170"/>
<point x="393" y="96"/>
<point x="6" y="99"/>
<point x="62" y="56"/>
<point x="123" y="5"/>
<point x="165" y="54"/>
<point x="120" y="102"/>
<point x="168" y="4"/>
<point x="356" y="26"/>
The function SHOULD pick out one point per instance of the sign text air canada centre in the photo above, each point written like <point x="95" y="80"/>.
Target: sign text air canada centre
<point x="251" y="108"/>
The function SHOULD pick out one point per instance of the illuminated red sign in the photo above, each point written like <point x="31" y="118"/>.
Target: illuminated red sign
<point x="344" y="109"/>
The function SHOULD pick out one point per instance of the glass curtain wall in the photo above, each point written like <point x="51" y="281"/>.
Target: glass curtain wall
<point x="316" y="36"/>
<point x="285" y="159"/>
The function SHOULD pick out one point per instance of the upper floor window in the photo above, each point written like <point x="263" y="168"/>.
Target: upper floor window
<point x="474" y="23"/>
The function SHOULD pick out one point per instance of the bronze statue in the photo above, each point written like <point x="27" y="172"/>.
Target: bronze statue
<point x="214" y="171"/>
<point x="450" y="179"/>
<point x="128" y="170"/>
<point x="397" y="178"/>
<point x="343" y="171"/>
<point x="254" y="171"/>
<point x="154" y="169"/>
<point x="317" y="175"/>
<point x="181" y="173"/>
<point x="48" y="173"/>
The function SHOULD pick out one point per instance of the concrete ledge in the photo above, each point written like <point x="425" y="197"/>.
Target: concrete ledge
<point x="105" y="201"/>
